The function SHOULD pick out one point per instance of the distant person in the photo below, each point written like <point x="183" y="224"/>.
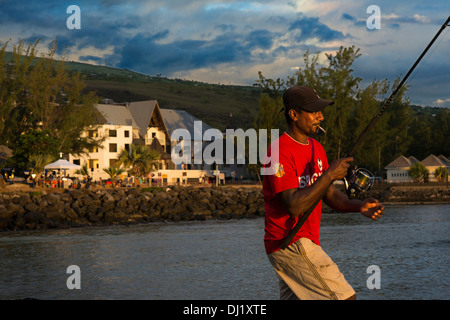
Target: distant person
<point x="298" y="178"/>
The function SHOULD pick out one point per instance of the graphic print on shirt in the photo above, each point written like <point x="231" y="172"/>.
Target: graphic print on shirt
<point x="278" y="169"/>
<point x="307" y="180"/>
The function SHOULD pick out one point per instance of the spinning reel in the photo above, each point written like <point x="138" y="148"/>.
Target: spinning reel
<point x="360" y="180"/>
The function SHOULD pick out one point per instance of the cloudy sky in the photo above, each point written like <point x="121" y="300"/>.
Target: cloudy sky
<point x="223" y="41"/>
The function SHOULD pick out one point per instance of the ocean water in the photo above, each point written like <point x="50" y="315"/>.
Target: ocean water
<point x="225" y="260"/>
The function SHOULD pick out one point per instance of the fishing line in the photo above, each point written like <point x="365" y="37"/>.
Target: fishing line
<point x="420" y="65"/>
<point x="414" y="74"/>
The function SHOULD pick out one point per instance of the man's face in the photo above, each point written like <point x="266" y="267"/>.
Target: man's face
<point x="306" y="122"/>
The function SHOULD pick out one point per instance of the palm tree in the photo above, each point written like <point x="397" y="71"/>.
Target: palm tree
<point x="38" y="163"/>
<point x="418" y="172"/>
<point x="441" y="174"/>
<point x="84" y="171"/>
<point x="140" y="159"/>
<point x="114" y="172"/>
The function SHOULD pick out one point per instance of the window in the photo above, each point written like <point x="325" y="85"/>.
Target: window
<point x="93" y="149"/>
<point x="93" y="164"/>
<point x="153" y="134"/>
<point x="113" y="133"/>
<point x="127" y="133"/>
<point x="93" y="133"/>
<point x="112" y="162"/>
<point x="113" y="147"/>
<point x="76" y="161"/>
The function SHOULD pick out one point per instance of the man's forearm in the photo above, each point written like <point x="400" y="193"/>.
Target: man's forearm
<point x="299" y="201"/>
<point x="340" y="202"/>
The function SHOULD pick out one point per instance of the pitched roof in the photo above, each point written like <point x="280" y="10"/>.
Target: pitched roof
<point x="401" y="162"/>
<point x="116" y="114"/>
<point x="445" y="160"/>
<point x="413" y="160"/>
<point x="432" y="161"/>
<point x="180" y="119"/>
<point x="142" y="112"/>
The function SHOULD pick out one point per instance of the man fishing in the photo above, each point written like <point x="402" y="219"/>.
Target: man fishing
<point x="299" y="177"/>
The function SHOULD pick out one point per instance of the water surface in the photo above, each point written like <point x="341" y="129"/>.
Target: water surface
<point x="222" y="260"/>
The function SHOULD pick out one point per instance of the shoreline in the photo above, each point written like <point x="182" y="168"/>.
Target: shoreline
<point x="26" y="208"/>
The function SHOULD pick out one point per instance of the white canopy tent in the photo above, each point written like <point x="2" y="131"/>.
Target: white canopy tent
<point x="62" y="164"/>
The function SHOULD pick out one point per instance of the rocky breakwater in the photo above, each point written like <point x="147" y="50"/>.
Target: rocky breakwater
<point x="411" y="194"/>
<point x="81" y="208"/>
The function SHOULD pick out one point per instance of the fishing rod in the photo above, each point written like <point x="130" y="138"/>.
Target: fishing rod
<point x="360" y="180"/>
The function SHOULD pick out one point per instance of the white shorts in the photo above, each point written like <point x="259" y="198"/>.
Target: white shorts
<point x="306" y="272"/>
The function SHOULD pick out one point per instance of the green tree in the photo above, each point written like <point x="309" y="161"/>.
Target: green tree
<point x="33" y="143"/>
<point x="418" y="172"/>
<point x="139" y="158"/>
<point x="370" y="154"/>
<point x="441" y="174"/>
<point x="270" y="117"/>
<point x="440" y="132"/>
<point x="399" y="118"/>
<point x="114" y="173"/>
<point x="342" y="87"/>
<point x="14" y="71"/>
<point x="353" y="109"/>
<point x="38" y="93"/>
<point x="310" y="75"/>
<point x="57" y="103"/>
<point x="421" y="132"/>
<point x="37" y="163"/>
<point x="84" y="171"/>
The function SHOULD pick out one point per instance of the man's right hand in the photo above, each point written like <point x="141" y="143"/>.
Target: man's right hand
<point x="338" y="168"/>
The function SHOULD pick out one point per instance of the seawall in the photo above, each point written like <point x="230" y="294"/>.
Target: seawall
<point x="44" y="209"/>
<point x="38" y="209"/>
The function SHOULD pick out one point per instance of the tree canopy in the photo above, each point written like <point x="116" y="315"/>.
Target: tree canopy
<point x="398" y="131"/>
<point x="39" y="94"/>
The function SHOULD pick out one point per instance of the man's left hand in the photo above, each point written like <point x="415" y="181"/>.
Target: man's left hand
<point x="372" y="209"/>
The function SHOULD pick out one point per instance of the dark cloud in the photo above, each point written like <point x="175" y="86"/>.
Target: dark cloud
<point x="33" y="14"/>
<point x="98" y="60"/>
<point x="109" y="23"/>
<point x="310" y="27"/>
<point x="143" y="52"/>
<point x="260" y="39"/>
<point x="225" y="27"/>
<point x="354" y="20"/>
<point x="349" y="17"/>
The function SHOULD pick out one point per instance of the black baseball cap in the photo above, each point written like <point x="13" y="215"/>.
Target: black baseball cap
<point x="305" y="98"/>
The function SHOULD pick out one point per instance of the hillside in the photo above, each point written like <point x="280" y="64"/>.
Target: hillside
<point x="211" y="103"/>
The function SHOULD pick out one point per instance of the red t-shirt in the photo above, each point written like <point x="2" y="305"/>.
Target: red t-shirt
<point x="297" y="166"/>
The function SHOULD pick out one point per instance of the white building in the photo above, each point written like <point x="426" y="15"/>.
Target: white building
<point x="398" y="170"/>
<point x="432" y="163"/>
<point x="143" y="122"/>
<point x="118" y="130"/>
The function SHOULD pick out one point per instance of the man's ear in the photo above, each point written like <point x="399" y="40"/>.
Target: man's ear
<point x="293" y="115"/>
